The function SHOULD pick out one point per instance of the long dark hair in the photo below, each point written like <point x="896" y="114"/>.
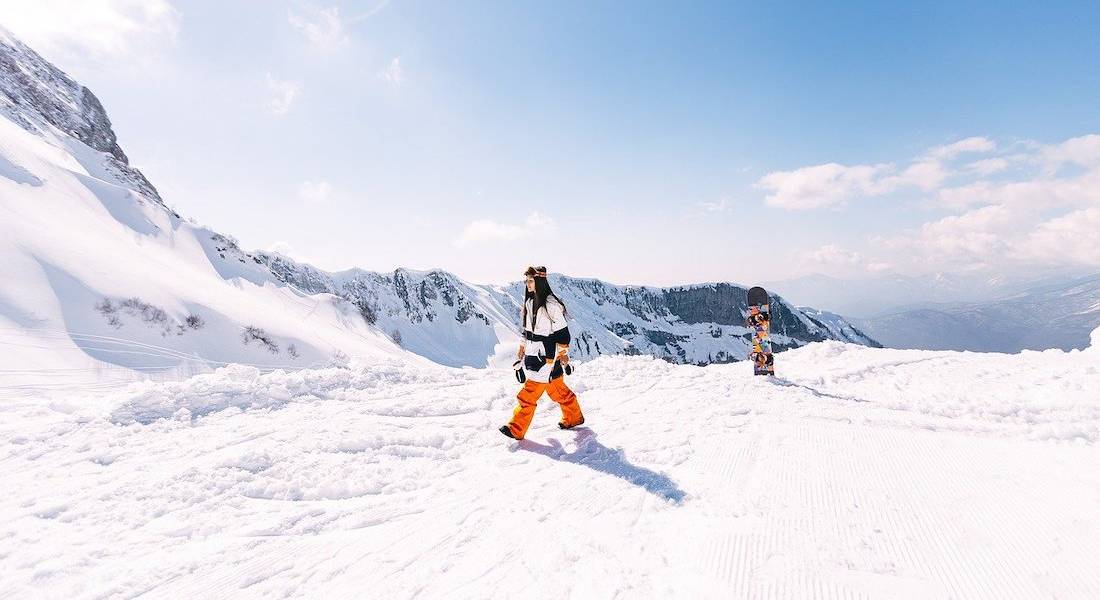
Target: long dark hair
<point x="540" y="295"/>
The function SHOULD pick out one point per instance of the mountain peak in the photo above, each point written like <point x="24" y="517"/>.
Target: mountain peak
<point x="38" y="95"/>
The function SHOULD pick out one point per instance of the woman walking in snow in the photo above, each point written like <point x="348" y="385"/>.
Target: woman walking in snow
<point x="543" y="357"/>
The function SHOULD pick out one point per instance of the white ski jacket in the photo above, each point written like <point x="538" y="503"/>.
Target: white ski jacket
<point x="545" y="335"/>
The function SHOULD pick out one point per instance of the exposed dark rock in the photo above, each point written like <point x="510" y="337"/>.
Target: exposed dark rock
<point x="33" y="89"/>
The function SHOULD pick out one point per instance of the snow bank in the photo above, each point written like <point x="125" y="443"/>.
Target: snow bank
<point x="248" y="388"/>
<point x="1043" y="395"/>
<point x="1047" y="395"/>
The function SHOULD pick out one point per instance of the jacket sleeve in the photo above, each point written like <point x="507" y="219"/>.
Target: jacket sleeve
<point x="556" y="312"/>
<point x="559" y="335"/>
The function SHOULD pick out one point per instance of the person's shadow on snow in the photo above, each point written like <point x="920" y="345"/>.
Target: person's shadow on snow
<point x="595" y="455"/>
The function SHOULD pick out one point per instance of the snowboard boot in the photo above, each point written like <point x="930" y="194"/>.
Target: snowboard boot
<point x="506" y="430"/>
<point x="562" y="425"/>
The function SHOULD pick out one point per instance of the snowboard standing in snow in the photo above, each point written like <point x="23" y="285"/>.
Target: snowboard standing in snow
<point x="759" y="320"/>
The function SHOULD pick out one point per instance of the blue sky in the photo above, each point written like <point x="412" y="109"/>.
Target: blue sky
<point x="636" y="142"/>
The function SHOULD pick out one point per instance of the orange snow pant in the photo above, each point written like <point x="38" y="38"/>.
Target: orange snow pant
<point x="529" y="397"/>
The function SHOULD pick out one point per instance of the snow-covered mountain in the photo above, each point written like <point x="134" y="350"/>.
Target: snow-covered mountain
<point x="1051" y="316"/>
<point x="437" y="315"/>
<point x="98" y="270"/>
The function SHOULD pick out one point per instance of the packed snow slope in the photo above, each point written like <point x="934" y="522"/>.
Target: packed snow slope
<point x="856" y="473"/>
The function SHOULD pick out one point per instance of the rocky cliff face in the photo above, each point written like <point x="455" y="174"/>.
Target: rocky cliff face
<point x="726" y="304"/>
<point x="37" y="95"/>
<point x="699" y="324"/>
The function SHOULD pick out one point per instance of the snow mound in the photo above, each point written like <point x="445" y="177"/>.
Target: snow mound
<point x="1045" y="395"/>
<point x="246" y="388"/>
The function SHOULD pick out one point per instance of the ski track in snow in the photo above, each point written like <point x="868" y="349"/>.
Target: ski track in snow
<point x="858" y="473"/>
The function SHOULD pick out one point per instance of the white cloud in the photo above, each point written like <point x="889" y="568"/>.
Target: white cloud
<point x="281" y="95"/>
<point x="488" y="231"/>
<point x="1035" y="220"/>
<point x="722" y="205"/>
<point x="926" y="174"/>
<point x="969" y="145"/>
<point x="315" y="192"/>
<point x="1035" y="213"/>
<point x="820" y="186"/>
<point x="540" y="222"/>
<point x="831" y="185"/>
<point x="976" y="236"/>
<point x="988" y="166"/>
<point x="1084" y="151"/>
<point x="1004" y="236"/>
<point x="1073" y="238"/>
<point x="393" y="74"/>
<point x="831" y="254"/>
<point x="370" y="13"/>
<point x="964" y="196"/>
<point x="322" y="26"/>
<point x="1029" y="192"/>
<point x="837" y="259"/>
<point x="94" y="32"/>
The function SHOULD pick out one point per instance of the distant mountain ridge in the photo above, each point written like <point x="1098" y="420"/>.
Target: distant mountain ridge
<point x="1049" y="316"/>
<point x="889" y="293"/>
<point x="699" y="324"/>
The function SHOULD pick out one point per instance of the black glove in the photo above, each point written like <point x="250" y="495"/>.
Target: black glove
<point x="534" y="363"/>
<point x="568" y="368"/>
<point x="520" y="375"/>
